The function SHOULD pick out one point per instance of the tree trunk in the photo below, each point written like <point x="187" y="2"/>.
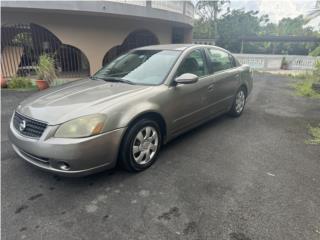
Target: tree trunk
<point x="215" y="21"/>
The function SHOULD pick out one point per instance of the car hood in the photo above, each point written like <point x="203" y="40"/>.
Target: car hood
<point x="83" y="97"/>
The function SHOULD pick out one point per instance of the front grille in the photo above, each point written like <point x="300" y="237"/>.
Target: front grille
<point x="27" y="126"/>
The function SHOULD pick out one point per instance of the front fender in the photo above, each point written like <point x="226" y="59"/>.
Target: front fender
<point x="138" y="111"/>
<point x="122" y="117"/>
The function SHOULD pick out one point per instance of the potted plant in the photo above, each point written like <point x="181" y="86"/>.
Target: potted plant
<point x="45" y="71"/>
<point x="3" y="81"/>
<point x="284" y="64"/>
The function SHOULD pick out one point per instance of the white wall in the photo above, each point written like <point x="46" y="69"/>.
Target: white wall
<point x="273" y="62"/>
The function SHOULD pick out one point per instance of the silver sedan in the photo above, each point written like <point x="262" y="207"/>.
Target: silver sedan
<point x="127" y="110"/>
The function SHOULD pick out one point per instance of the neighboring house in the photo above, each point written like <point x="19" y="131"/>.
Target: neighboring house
<point x="82" y="36"/>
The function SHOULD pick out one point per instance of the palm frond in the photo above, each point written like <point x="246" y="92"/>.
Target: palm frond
<point x="314" y="13"/>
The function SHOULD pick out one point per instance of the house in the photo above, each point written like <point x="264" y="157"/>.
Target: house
<point x="82" y="36"/>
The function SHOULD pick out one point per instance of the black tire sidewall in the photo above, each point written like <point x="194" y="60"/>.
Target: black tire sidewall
<point x="126" y="156"/>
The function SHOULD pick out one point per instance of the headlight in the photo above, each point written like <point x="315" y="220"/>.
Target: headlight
<point x="82" y="127"/>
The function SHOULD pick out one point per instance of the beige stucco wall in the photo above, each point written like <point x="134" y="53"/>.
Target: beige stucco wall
<point x="93" y="35"/>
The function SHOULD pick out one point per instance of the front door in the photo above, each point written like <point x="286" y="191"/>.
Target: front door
<point x="189" y="101"/>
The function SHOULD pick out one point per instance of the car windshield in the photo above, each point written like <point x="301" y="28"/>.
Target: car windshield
<point x="146" y="67"/>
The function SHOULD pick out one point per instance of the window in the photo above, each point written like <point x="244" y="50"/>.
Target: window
<point x="219" y="60"/>
<point x="194" y="63"/>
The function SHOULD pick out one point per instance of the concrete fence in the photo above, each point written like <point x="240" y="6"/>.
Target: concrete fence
<point x="273" y="62"/>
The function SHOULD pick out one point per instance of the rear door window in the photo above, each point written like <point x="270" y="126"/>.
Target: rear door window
<point x="219" y="60"/>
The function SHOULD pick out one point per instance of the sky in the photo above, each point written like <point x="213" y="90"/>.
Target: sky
<point x="278" y="9"/>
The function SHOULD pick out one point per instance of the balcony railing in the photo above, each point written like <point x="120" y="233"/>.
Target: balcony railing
<point x="181" y="7"/>
<point x="139" y="3"/>
<point x="171" y="6"/>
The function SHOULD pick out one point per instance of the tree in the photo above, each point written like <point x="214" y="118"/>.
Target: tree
<point x="208" y="12"/>
<point x="201" y="30"/>
<point x="291" y="26"/>
<point x="294" y="27"/>
<point x="236" y="24"/>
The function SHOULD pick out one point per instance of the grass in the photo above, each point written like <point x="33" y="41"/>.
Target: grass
<point x="304" y="86"/>
<point x="301" y="75"/>
<point x="315" y="135"/>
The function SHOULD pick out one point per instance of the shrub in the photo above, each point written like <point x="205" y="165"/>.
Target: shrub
<point x="19" y="82"/>
<point x="315" y="134"/>
<point x="309" y="80"/>
<point x="316" y="72"/>
<point x="46" y="70"/>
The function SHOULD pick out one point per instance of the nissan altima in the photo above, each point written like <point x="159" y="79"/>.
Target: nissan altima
<point x="127" y="110"/>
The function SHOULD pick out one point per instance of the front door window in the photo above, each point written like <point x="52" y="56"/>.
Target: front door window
<point x="194" y="63"/>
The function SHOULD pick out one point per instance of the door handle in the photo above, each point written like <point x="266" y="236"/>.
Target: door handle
<point x="211" y="87"/>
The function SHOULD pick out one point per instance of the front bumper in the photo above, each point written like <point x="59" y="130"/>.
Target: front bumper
<point x="84" y="156"/>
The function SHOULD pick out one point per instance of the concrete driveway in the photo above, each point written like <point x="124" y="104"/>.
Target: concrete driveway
<point x="239" y="179"/>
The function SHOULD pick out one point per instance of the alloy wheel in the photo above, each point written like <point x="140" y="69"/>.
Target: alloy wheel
<point x="240" y="101"/>
<point x="145" y="145"/>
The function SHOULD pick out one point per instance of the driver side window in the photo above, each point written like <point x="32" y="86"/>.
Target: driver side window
<point x="194" y="63"/>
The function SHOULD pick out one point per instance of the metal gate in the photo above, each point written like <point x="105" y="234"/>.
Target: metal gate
<point x="23" y="44"/>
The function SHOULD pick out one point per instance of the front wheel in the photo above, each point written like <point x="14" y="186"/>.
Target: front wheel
<point x="238" y="103"/>
<point x="140" y="145"/>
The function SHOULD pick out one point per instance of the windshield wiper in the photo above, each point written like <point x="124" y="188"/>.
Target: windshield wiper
<point x="114" y="79"/>
<point x="95" y="78"/>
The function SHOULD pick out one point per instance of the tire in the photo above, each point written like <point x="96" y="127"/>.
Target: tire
<point x="239" y="103"/>
<point x="140" y="146"/>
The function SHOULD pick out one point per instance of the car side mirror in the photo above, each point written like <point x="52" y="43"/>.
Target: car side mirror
<point x="186" y="78"/>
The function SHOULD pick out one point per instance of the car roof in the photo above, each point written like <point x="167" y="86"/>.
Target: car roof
<point x="176" y="47"/>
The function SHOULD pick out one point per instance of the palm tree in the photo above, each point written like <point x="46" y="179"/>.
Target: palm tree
<point x="314" y="13"/>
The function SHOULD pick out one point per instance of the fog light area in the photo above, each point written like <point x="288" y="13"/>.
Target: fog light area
<point x="63" y="166"/>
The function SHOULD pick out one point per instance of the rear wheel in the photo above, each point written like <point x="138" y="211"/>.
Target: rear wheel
<point x="239" y="103"/>
<point x="141" y="145"/>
